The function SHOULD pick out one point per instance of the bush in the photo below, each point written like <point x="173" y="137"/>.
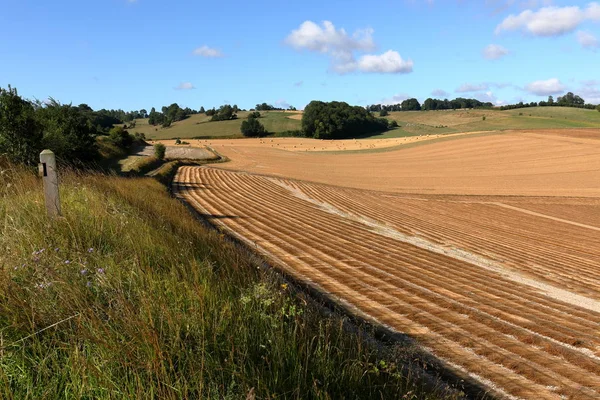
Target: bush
<point x="255" y="114"/>
<point x="393" y="124"/>
<point x="383" y="113"/>
<point x="177" y="141"/>
<point x="159" y="151"/>
<point x="252" y="127"/>
<point x="120" y="137"/>
<point x="483" y="118"/>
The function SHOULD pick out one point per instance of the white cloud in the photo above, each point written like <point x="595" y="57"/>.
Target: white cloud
<point x="395" y="99"/>
<point x="328" y="39"/>
<point x="389" y="62"/>
<point x="494" y="52"/>
<point x="281" y="103"/>
<point x="550" y="21"/>
<point x="208" y="52"/>
<point x="587" y="40"/>
<point x="472" y="87"/>
<point x="341" y="48"/>
<point x="185" y="86"/>
<point x="591" y="95"/>
<point x="486" y="97"/>
<point x="439" y="93"/>
<point x="545" y="88"/>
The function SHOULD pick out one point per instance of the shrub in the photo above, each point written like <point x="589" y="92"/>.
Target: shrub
<point x="383" y="113"/>
<point x="483" y="118"/>
<point x="159" y="151"/>
<point x="120" y="137"/>
<point x="177" y="141"/>
<point x="392" y="124"/>
<point x="252" y="127"/>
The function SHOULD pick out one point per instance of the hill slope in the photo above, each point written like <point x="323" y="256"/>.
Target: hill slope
<point x="200" y="126"/>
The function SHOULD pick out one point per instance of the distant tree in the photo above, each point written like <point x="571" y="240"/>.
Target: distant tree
<point x="251" y="127"/>
<point x="292" y="108"/>
<point x="254" y="114"/>
<point x="20" y="132"/>
<point x="166" y="123"/>
<point x="235" y="108"/>
<point x="211" y="112"/>
<point x="143" y="113"/>
<point x="411" y="105"/>
<point x="383" y="113"/>
<point x="339" y="120"/>
<point x="225" y="113"/>
<point x="550" y="100"/>
<point x="570" y="99"/>
<point x="393" y="124"/>
<point x="202" y="110"/>
<point x="159" y="151"/>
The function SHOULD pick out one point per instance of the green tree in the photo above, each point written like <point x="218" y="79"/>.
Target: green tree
<point x="412" y="105"/>
<point x="251" y="127"/>
<point x="393" y="124"/>
<point x="20" y="132"/>
<point x="550" y="100"/>
<point x="383" y="113"/>
<point x="120" y="137"/>
<point x="68" y="131"/>
<point x="159" y="151"/>
<point x="339" y="120"/>
<point x="202" y="110"/>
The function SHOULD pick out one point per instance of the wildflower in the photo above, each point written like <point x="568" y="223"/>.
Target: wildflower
<point x="284" y="286"/>
<point x="56" y="249"/>
<point x="100" y="270"/>
<point x="83" y="272"/>
<point x="91" y="250"/>
<point x="88" y="284"/>
<point x="67" y="262"/>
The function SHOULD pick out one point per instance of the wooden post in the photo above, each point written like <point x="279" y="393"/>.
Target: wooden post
<point x="49" y="173"/>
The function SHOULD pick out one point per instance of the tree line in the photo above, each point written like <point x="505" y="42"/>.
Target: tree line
<point x="413" y="104"/>
<point x="27" y="127"/>
<point x="568" y="100"/>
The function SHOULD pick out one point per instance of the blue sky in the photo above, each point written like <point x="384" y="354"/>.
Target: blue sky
<point x="139" y="54"/>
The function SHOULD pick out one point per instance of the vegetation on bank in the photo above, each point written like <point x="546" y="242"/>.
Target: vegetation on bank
<point x="128" y="296"/>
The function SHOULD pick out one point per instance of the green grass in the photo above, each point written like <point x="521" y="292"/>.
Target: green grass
<point x="128" y="296"/>
<point x="200" y="126"/>
<point x="415" y="123"/>
<point x="412" y="123"/>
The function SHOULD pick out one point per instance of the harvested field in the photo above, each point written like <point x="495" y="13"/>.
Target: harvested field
<point x="505" y="290"/>
<point x="531" y="163"/>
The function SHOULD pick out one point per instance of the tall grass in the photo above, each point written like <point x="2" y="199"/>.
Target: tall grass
<point x="127" y="296"/>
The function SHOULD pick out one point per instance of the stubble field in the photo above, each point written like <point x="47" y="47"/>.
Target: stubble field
<point x="486" y="249"/>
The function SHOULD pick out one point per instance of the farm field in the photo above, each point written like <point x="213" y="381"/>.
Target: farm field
<point x="531" y="163"/>
<point x="413" y="123"/>
<point x="500" y="288"/>
<point x="484" y="247"/>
